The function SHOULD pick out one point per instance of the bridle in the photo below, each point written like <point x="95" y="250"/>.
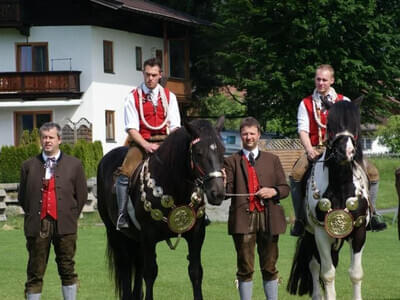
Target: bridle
<point x="338" y="135"/>
<point x="202" y="177"/>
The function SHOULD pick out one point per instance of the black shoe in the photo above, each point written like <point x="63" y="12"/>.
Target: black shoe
<point x="376" y="223"/>
<point x="122" y="222"/>
<point x="298" y="228"/>
<point x="207" y="220"/>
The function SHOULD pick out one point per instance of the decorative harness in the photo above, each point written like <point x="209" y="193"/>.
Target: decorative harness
<point x="181" y="218"/>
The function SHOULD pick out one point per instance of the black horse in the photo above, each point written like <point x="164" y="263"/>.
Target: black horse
<point x="337" y="209"/>
<point x="167" y="193"/>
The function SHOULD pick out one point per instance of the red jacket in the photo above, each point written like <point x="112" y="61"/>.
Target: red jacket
<point x="153" y="115"/>
<point x="308" y="102"/>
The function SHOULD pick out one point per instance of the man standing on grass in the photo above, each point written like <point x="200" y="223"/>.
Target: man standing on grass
<point x="255" y="214"/>
<point x="52" y="192"/>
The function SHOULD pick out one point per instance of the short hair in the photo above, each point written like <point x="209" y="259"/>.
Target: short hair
<point x="326" y="67"/>
<point x="50" y="125"/>
<point x="152" y="62"/>
<point x="249" y="122"/>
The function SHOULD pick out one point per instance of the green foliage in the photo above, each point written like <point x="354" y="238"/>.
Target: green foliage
<point x="28" y="137"/>
<point x="218" y="105"/>
<point x="11" y="157"/>
<point x="389" y="134"/>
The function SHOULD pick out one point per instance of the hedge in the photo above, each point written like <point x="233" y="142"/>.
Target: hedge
<point x="12" y="157"/>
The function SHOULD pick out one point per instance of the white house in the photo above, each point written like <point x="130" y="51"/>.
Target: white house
<point x="71" y="59"/>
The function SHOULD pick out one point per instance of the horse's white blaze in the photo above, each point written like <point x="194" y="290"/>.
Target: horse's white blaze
<point x="350" y="150"/>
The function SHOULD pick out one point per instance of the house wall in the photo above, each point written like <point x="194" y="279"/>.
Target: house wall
<point x="102" y="91"/>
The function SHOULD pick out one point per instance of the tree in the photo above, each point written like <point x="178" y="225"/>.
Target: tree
<point x="389" y="135"/>
<point x="270" y="49"/>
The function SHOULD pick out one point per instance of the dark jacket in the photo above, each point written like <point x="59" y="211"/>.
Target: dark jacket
<point x="270" y="174"/>
<point x="71" y="193"/>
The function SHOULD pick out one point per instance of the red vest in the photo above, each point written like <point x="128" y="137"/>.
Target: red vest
<point x="253" y="186"/>
<point x="49" y="199"/>
<point x="153" y="115"/>
<point x="313" y="123"/>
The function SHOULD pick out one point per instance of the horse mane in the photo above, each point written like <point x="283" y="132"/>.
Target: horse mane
<point x="345" y="115"/>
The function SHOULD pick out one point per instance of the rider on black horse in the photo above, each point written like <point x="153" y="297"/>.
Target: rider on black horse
<point x="312" y="116"/>
<point x="151" y="112"/>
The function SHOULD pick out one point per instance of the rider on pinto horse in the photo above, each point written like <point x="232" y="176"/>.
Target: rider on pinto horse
<point x="151" y="112"/>
<point x="312" y="116"/>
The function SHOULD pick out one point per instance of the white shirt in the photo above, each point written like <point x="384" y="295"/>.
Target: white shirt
<point x="48" y="169"/>
<point x="131" y="114"/>
<point x="247" y="152"/>
<point x="303" y="122"/>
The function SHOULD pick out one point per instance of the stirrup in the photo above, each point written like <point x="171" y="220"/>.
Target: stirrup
<point x="121" y="225"/>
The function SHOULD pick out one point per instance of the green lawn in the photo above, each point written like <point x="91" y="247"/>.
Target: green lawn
<point x="381" y="262"/>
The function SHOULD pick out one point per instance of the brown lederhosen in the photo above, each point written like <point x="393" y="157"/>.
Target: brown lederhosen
<point x="136" y="154"/>
<point x="301" y="165"/>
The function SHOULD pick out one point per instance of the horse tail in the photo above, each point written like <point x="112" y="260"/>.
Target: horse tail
<point x="123" y="261"/>
<point x="300" y="279"/>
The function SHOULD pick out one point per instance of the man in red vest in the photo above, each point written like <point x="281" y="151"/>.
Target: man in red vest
<point x="311" y="121"/>
<point x="52" y="192"/>
<point x="151" y="112"/>
<point x="257" y="181"/>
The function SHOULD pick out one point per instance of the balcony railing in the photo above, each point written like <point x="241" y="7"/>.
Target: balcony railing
<point x="33" y="85"/>
<point x="181" y="88"/>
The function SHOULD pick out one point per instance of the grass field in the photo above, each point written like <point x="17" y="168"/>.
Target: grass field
<point x="381" y="263"/>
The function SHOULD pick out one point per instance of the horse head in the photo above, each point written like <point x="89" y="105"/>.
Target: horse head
<point x="207" y="158"/>
<point x="343" y="131"/>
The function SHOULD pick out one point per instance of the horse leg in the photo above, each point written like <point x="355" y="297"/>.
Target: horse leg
<point x="356" y="272"/>
<point x="195" y="269"/>
<point x="324" y="245"/>
<point x="315" y="268"/>
<point x="138" y="283"/>
<point x="150" y="268"/>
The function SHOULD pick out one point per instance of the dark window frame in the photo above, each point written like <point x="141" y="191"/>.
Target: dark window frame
<point x="108" y="57"/>
<point x="139" y="58"/>
<point x="18" y="47"/>
<point x="17" y="127"/>
<point x="110" y="121"/>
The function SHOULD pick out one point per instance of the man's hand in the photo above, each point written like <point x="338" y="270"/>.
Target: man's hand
<point x="312" y="154"/>
<point x="224" y="175"/>
<point x="266" y="193"/>
<point x="150" y="147"/>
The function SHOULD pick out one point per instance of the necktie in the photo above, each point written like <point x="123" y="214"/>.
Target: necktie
<point x="50" y="164"/>
<point x="325" y="102"/>
<point x="251" y="159"/>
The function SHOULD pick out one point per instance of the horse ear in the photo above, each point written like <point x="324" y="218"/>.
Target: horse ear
<point x="192" y="130"/>
<point x="358" y="101"/>
<point x="220" y="123"/>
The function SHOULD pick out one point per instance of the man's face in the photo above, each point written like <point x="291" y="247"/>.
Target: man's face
<point x="250" y="137"/>
<point x="152" y="76"/>
<point x="50" y="141"/>
<point x="323" y="81"/>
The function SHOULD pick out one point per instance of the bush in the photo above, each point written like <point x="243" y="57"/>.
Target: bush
<point x="11" y="157"/>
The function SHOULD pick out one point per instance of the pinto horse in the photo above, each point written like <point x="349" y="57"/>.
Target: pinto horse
<point x="167" y="193"/>
<point x="337" y="208"/>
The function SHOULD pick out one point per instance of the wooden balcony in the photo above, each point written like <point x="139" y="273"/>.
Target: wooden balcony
<point x="10" y="13"/>
<point x="34" y="85"/>
<point x="181" y="88"/>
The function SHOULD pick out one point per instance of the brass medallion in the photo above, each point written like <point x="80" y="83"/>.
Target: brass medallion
<point x="181" y="219"/>
<point x="156" y="214"/>
<point x="338" y="223"/>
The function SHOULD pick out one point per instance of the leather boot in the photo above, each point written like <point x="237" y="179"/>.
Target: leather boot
<point x="69" y="292"/>
<point x="33" y="296"/>
<point x="298" y="205"/>
<point x="271" y="289"/>
<point x="245" y="290"/>
<point x="121" y="189"/>
<point x="377" y="223"/>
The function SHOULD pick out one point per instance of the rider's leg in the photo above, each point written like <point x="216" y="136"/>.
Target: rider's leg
<point x="377" y="223"/>
<point x="298" y="171"/>
<point x="131" y="161"/>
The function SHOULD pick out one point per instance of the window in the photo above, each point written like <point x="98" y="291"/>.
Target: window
<point x="366" y="143"/>
<point x="139" y="62"/>
<point x="108" y="57"/>
<point x="110" y="125"/>
<point x="28" y="120"/>
<point x="159" y="55"/>
<point x="177" y="58"/>
<point x="32" y="57"/>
